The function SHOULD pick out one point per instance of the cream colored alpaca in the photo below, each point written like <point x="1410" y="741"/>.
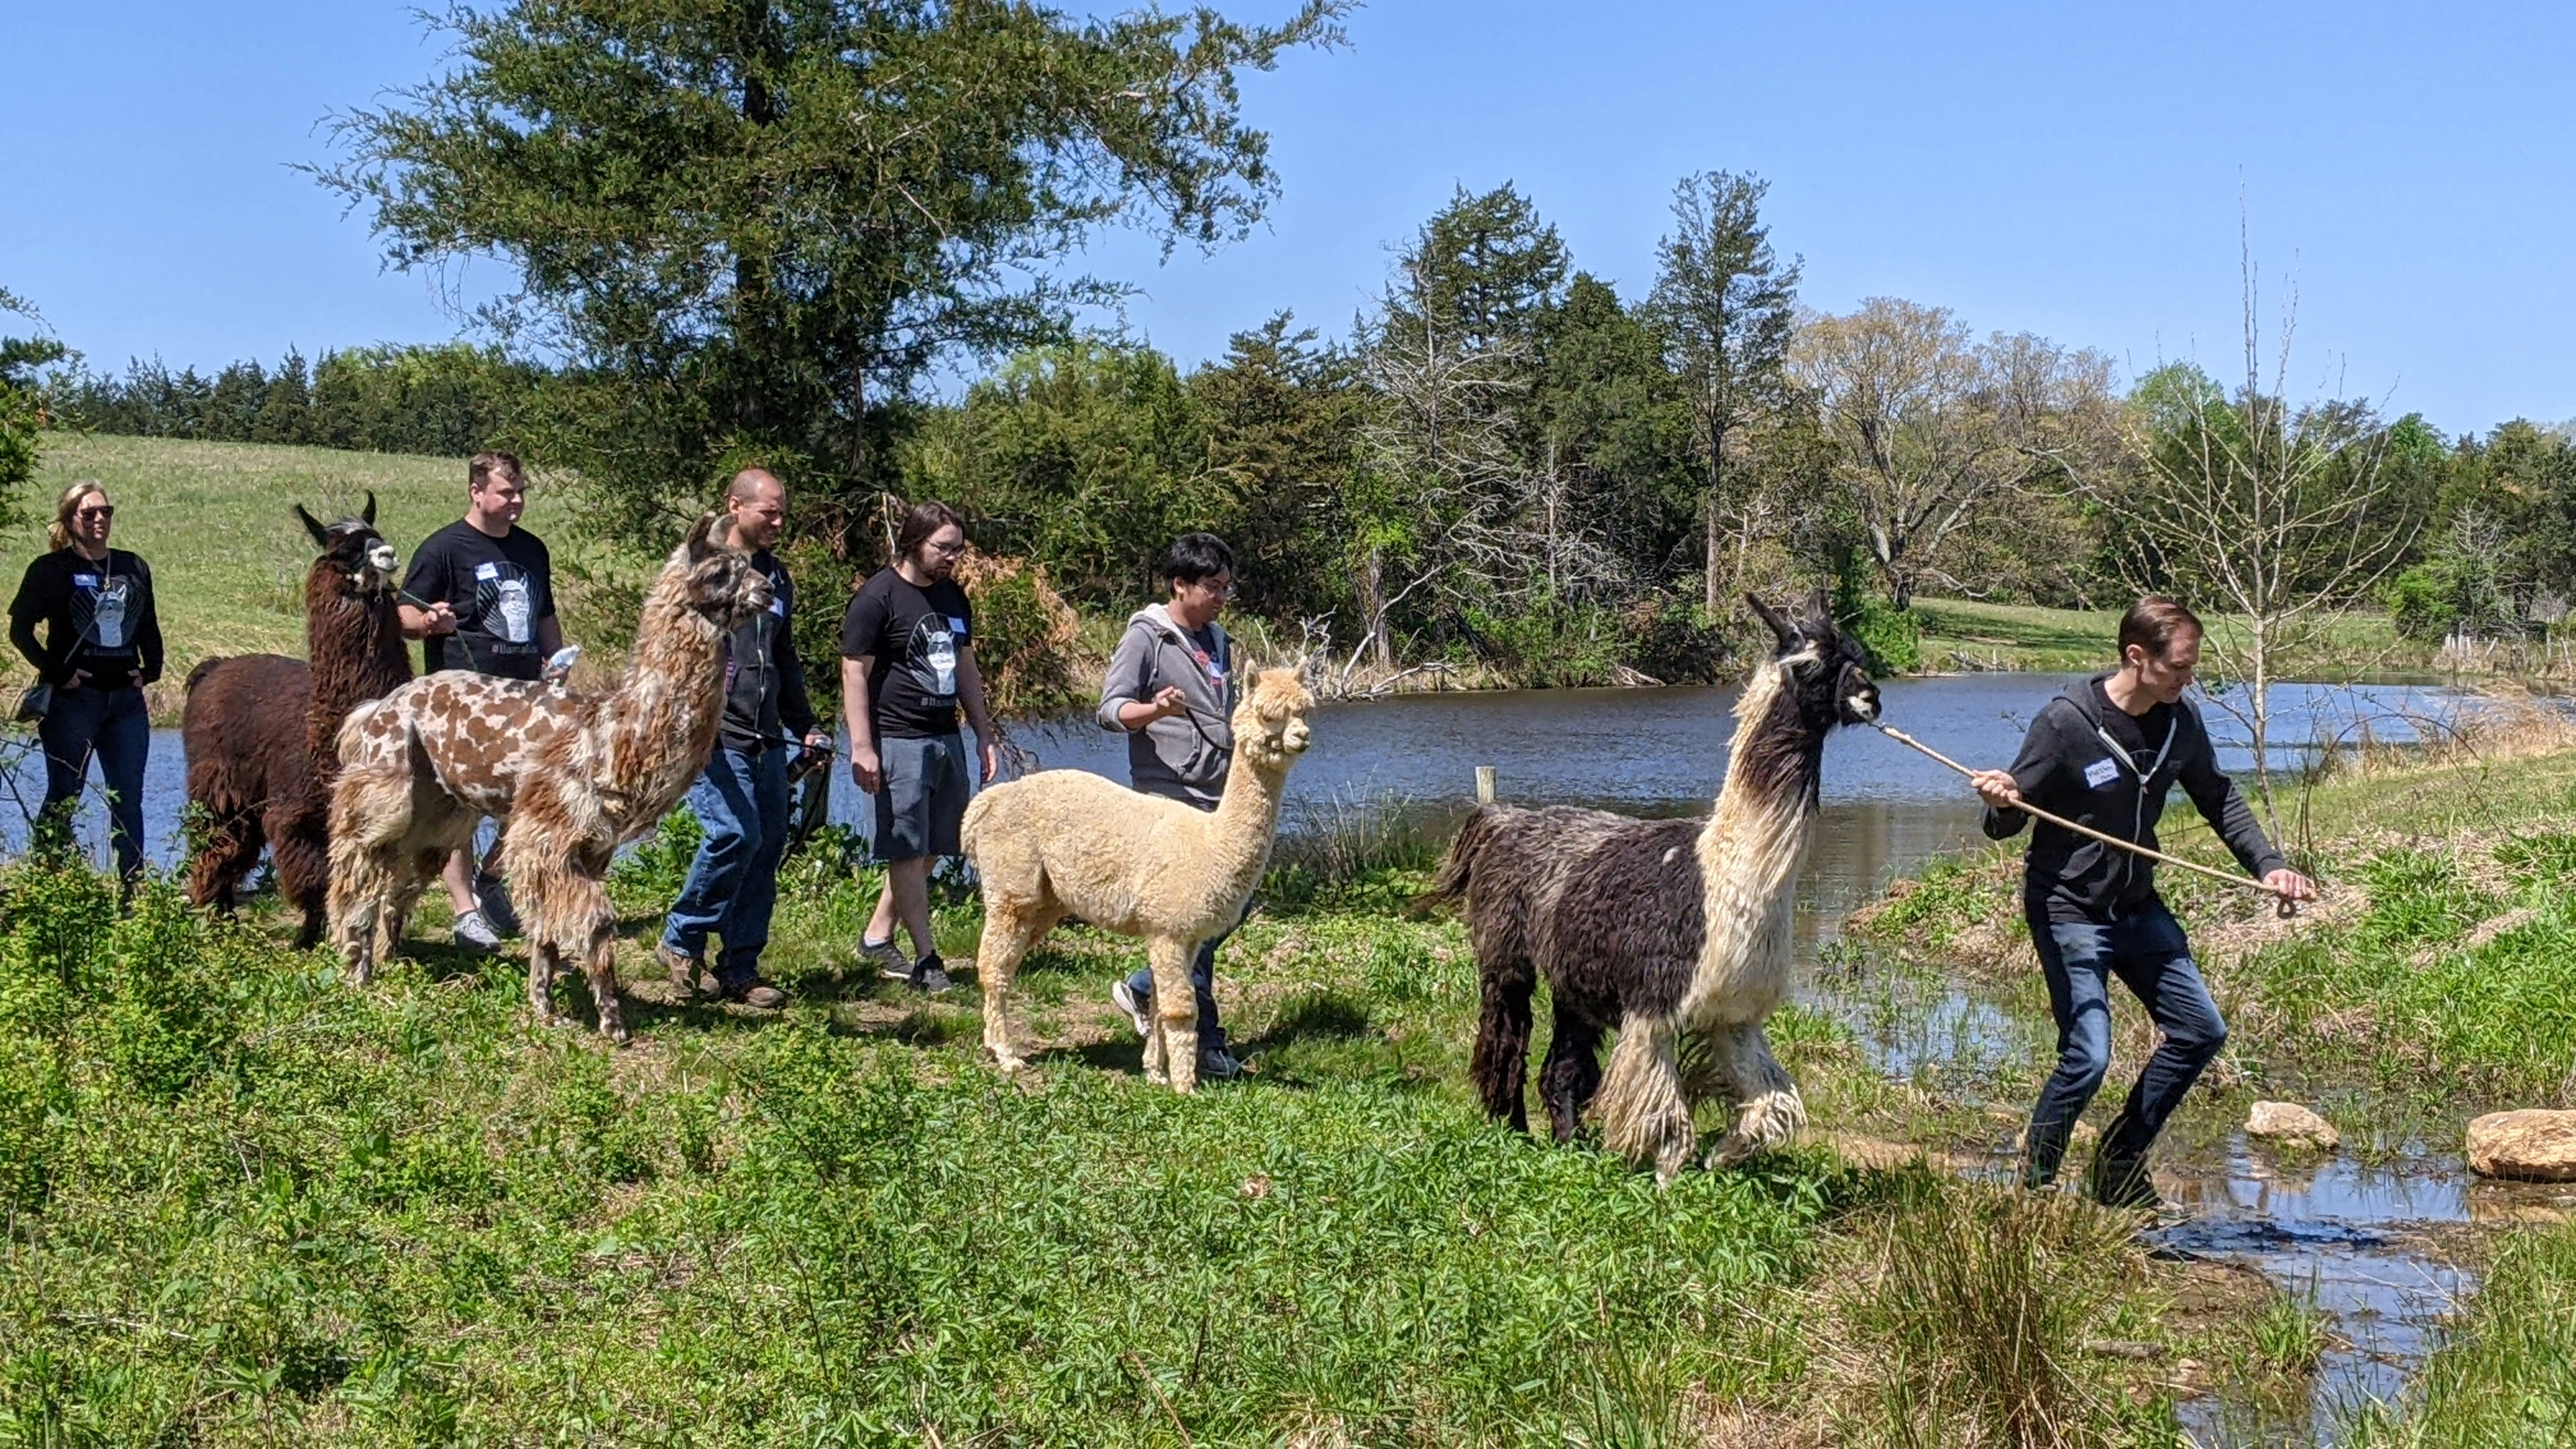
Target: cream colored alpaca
<point x="1069" y="843"/>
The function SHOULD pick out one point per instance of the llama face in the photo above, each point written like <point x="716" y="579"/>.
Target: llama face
<point x="715" y="579"/>
<point x="1827" y="670"/>
<point x="1270" y="725"/>
<point x="367" y="565"/>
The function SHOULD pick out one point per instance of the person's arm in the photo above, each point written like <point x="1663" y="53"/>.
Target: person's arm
<point x="426" y="582"/>
<point x="25" y="611"/>
<point x="795" y="706"/>
<point x="549" y="629"/>
<point x="866" y="771"/>
<point x="2033" y="770"/>
<point x="147" y="634"/>
<point x="970" y="693"/>
<point x="2214" y="793"/>
<point x="1128" y="699"/>
<point x="549" y="636"/>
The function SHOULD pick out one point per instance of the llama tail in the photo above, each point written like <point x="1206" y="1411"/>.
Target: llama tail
<point x="1458" y="867"/>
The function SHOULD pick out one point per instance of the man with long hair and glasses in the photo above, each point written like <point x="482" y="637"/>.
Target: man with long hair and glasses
<point x="2104" y="754"/>
<point x="101" y="644"/>
<point x="907" y="665"/>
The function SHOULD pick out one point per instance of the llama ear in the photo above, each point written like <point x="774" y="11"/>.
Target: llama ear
<point x="699" y="534"/>
<point x="1820" y="606"/>
<point x="1780" y="629"/>
<point x="367" y="515"/>
<point x="313" y="526"/>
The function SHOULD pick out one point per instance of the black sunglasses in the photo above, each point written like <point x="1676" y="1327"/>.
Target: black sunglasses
<point x="103" y="510"/>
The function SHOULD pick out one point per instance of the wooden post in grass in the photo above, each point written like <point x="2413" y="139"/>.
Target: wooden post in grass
<point x="1484" y="784"/>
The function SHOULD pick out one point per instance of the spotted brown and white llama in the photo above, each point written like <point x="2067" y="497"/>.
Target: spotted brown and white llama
<point x="262" y="730"/>
<point x="576" y="775"/>
<point x="1673" y="933"/>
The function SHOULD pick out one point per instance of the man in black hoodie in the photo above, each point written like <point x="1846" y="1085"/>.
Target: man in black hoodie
<point x="2104" y="754"/>
<point x="742" y="799"/>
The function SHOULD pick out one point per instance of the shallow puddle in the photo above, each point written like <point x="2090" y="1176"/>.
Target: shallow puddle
<point x="2374" y="1247"/>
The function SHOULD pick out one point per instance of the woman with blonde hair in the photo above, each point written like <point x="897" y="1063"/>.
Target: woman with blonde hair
<point x="101" y="643"/>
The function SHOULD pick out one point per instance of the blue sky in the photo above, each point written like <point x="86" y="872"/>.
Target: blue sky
<point x="2069" y="170"/>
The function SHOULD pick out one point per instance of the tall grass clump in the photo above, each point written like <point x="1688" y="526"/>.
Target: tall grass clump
<point x="1977" y="1302"/>
<point x="2506" y="1373"/>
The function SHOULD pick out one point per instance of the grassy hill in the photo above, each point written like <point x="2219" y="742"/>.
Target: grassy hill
<point x="216" y="523"/>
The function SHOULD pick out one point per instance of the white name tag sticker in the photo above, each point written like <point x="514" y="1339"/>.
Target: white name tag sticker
<point x="956" y="626"/>
<point x="778" y="605"/>
<point x="85" y="581"/>
<point x="2101" y="772"/>
<point x="487" y="571"/>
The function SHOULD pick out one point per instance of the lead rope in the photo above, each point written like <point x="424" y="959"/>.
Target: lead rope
<point x="2285" y="906"/>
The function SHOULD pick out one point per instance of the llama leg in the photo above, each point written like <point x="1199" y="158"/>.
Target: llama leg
<point x="232" y="849"/>
<point x="543" y="961"/>
<point x="1571" y="1073"/>
<point x="1176" y="1010"/>
<point x="1644" y="1115"/>
<point x="301" y="848"/>
<point x="599" y="963"/>
<point x="1007" y="937"/>
<point x="362" y="882"/>
<point x="1500" y="1068"/>
<point x="1769" y="1113"/>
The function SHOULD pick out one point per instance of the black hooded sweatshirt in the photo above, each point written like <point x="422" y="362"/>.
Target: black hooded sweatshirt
<point x="2074" y="763"/>
<point x="765" y="695"/>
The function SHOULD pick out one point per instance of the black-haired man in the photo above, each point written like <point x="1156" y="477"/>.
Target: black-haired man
<point x="1170" y="688"/>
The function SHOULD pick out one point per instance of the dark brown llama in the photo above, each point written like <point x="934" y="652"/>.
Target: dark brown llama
<point x="1673" y="933"/>
<point x="262" y="730"/>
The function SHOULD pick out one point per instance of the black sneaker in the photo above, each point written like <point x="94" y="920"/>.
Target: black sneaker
<point x="929" y="976"/>
<point x="891" y="961"/>
<point x="492" y="900"/>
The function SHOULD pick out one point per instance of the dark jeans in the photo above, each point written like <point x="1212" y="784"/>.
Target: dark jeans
<point x="2149" y="954"/>
<point x="733" y="882"/>
<point x="1202" y="981"/>
<point x="112" y="726"/>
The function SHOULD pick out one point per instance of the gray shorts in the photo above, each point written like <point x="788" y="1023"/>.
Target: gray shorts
<point x="923" y="799"/>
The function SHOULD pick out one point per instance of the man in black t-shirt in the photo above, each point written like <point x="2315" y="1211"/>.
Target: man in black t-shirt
<point x="481" y="597"/>
<point x="907" y="663"/>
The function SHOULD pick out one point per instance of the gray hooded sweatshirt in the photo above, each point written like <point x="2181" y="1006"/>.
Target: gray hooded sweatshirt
<point x="1183" y="758"/>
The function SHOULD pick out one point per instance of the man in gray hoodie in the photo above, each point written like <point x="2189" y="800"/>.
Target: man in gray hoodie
<point x="1170" y="689"/>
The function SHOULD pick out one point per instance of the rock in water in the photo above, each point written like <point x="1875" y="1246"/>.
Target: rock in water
<point x="2534" y="1144"/>
<point x="2291" y="1123"/>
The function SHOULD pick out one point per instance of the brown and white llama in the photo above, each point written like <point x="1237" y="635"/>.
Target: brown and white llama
<point x="575" y="774"/>
<point x="261" y="730"/>
<point x="1673" y="933"/>
<point x="1069" y="843"/>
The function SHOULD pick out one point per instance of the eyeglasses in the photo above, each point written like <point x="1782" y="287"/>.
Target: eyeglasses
<point x="100" y="511"/>
<point x="948" y="550"/>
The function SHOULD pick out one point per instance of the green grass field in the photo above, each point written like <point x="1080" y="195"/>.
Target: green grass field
<point x="1965" y="634"/>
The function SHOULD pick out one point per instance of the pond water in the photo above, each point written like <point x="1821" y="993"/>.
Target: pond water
<point x="2351" y="1238"/>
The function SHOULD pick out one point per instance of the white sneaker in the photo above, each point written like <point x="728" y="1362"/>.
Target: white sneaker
<point x="1139" y="1009"/>
<point x="473" y="934"/>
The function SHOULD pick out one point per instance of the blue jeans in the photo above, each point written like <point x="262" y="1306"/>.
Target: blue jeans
<point x="733" y="881"/>
<point x="112" y="726"/>
<point x="1202" y="982"/>
<point x="2149" y="954"/>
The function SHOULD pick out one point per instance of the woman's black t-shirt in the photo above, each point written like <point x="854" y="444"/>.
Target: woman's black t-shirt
<point x="500" y="588"/>
<point x="914" y="634"/>
<point x="99" y="616"/>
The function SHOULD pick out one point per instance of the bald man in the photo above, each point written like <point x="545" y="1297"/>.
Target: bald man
<point x="742" y="797"/>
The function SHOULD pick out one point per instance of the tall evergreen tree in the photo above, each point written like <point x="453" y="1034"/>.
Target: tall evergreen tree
<point x="1723" y="301"/>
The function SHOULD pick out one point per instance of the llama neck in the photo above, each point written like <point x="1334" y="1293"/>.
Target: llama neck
<point x="354" y="646"/>
<point x="1247" y="818"/>
<point x="655" y="729"/>
<point x="1757" y="837"/>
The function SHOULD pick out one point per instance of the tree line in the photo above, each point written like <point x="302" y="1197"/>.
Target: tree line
<point x="753" y="232"/>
